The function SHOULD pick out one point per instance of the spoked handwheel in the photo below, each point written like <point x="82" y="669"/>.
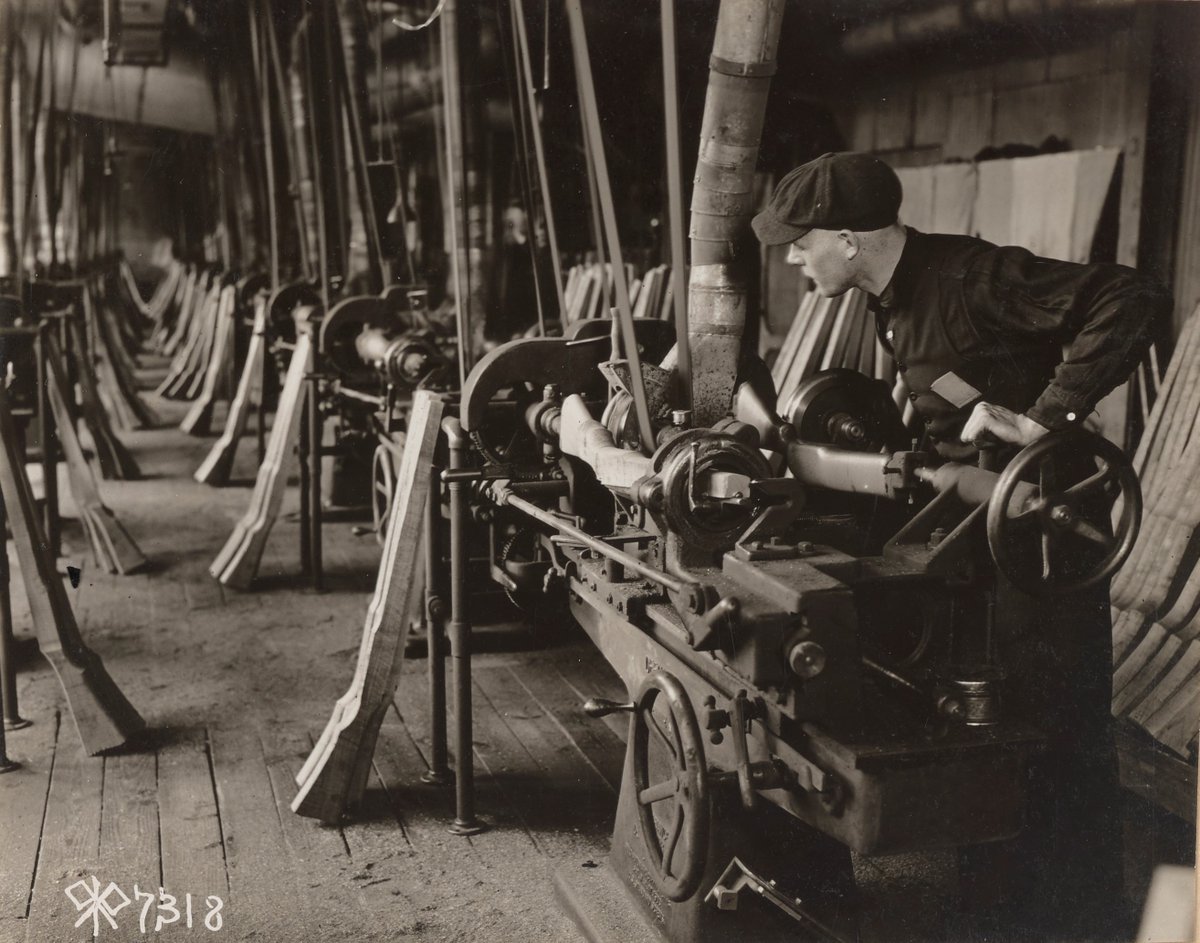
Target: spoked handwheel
<point x="383" y="489"/>
<point x="670" y="783"/>
<point x="1061" y="539"/>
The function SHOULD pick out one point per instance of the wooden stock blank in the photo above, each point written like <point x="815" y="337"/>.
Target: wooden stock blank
<point x="103" y="717"/>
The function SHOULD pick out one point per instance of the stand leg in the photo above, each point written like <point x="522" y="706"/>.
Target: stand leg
<point x="317" y="571"/>
<point x="435" y="612"/>
<point x="305" y="483"/>
<point x="8" y="671"/>
<point x="465" y="822"/>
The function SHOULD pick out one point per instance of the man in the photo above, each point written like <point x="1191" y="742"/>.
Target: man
<point x="997" y="345"/>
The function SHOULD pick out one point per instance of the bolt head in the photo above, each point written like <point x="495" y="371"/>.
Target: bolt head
<point x="1061" y="514"/>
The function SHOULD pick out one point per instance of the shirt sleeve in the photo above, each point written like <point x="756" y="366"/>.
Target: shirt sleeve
<point x="1104" y="317"/>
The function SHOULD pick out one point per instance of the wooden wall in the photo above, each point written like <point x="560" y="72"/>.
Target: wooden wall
<point x="923" y="112"/>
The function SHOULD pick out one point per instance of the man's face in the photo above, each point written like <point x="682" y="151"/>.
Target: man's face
<point x="827" y="257"/>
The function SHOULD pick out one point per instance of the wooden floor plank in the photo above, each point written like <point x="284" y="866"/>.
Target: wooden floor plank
<point x="320" y="854"/>
<point x="589" y="675"/>
<point x="193" y="854"/>
<point x="70" y="849"/>
<point x="23" y="795"/>
<point x="129" y="838"/>
<point x="264" y="900"/>
<point x="561" y="798"/>
<point x="602" y="748"/>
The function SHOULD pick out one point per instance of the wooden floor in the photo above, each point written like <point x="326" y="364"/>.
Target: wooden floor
<point x="235" y="685"/>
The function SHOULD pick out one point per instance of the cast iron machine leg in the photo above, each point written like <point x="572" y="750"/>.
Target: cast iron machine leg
<point x="465" y="822"/>
<point x="435" y="614"/>
<point x="303" y="447"/>
<point x="317" y="570"/>
<point x="8" y="670"/>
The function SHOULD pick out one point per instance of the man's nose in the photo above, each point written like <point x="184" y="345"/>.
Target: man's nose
<point x="793" y="256"/>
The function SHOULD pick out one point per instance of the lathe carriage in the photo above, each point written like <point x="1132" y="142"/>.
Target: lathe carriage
<point x="802" y="610"/>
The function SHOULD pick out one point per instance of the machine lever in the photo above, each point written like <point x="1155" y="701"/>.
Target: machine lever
<point x="602" y="707"/>
<point x="737" y="878"/>
<point x="742" y="713"/>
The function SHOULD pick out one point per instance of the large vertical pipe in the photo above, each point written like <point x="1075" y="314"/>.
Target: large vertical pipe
<point x="739" y="78"/>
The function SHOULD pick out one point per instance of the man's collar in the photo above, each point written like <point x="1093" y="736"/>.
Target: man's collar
<point x="898" y="292"/>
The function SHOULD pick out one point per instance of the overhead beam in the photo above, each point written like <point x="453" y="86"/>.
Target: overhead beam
<point x="177" y="96"/>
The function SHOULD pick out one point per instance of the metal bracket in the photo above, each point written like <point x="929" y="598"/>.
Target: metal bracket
<point x="737" y="877"/>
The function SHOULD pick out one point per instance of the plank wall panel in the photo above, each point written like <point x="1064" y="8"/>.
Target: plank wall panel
<point x="931" y="113"/>
<point x="894" y="118"/>
<point x="969" y="124"/>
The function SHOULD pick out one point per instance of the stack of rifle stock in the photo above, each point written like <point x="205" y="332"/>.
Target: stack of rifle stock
<point x="589" y="292"/>
<point x="1156" y="595"/>
<point x="827" y="333"/>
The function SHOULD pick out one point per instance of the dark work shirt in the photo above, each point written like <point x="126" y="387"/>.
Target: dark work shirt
<point x="968" y="321"/>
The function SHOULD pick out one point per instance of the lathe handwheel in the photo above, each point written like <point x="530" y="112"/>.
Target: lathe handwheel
<point x="677" y="855"/>
<point x="1067" y="528"/>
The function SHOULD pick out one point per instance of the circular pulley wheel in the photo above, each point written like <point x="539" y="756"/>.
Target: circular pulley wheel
<point x="383" y="490"/>
<point x="670" y="782"/>
<point x="1061" y="539"/>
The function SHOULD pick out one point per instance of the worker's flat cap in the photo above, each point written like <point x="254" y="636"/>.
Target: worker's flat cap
<point x="836" y="191"/>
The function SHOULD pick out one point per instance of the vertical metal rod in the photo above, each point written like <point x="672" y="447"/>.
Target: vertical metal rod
<point x="302" y="449"/>
<point x="465" y="822"/>
<point x="8" y="670"/>
<point x="591" y="116"/>
<point x="435" y="634"/>
<point x="683" y="350"/>
<point x="260" y="430"/>
<point x="593" y="189"/>
<point x="49" y="436"/>
<point x="257" y="30"/>
<point x="317" y="570"/>
<point x="456" y="185"/>
<point x="539" y="153"/>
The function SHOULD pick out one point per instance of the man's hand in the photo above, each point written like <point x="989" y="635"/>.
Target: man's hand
<point x="1001" y="425"/>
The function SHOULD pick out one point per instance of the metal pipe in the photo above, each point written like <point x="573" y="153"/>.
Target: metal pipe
<point x="8" y="670"/>
<point x="452" y="113"/>
<point x="540" y="154"/>
<point x="435" y="634"/>
<point x="740" y="70"/>
<point x="317" y="570"/>
<point x="465" y="822"/>
<point x="955" y="20"/>
<point x="302" y="448"/>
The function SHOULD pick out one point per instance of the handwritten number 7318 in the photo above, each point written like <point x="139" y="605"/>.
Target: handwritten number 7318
<point x="158" y="910"/>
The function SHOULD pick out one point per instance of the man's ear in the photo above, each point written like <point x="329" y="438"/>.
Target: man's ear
<point x="849" y="241"/>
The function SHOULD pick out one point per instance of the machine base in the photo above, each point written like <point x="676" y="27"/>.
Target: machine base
<point x="598" y="903"/>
